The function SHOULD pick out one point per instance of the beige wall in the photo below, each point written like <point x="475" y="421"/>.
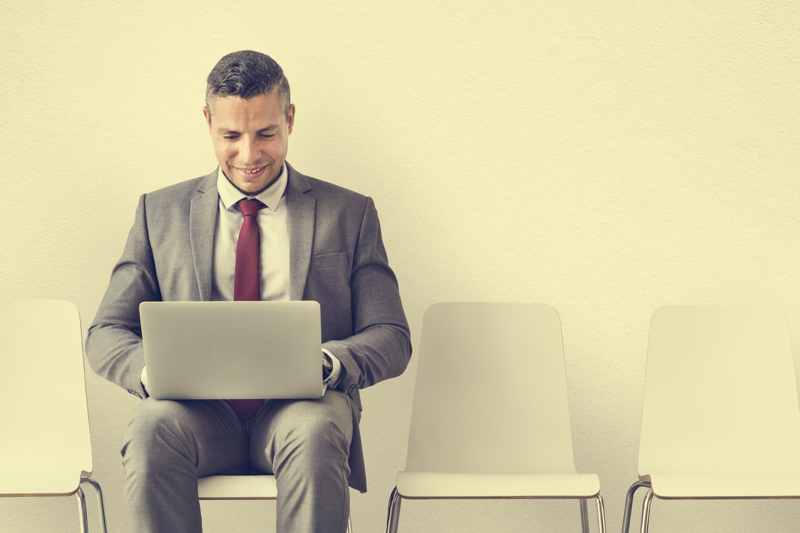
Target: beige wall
<point x="606" y="158"/>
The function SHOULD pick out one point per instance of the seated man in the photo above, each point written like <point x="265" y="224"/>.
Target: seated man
<point x="254" y="228"/>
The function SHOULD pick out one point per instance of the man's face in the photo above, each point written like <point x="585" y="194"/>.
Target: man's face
<point x="251" y="138"/>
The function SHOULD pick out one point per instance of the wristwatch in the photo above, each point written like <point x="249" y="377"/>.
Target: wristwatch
<point x="327" y="367"/>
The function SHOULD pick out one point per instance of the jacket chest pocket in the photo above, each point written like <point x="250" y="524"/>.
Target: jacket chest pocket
<point x="336" y="260"/>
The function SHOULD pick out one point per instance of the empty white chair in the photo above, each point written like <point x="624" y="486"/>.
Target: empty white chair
<point x="46" y="449"/>
<point x="490" y="417"/>
<point x="720" y="418"/>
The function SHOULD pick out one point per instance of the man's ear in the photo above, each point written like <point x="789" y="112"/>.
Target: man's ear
<point x="207" y="114"/>
<point x="289" y="118"/>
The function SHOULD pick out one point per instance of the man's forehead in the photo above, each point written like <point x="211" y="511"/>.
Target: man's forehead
<point x="246" y="120"/>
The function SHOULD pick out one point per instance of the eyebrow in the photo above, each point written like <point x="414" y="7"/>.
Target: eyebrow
<point x="226" y="131"/>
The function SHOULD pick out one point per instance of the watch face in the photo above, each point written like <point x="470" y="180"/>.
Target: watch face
<point x="327" y="366"/>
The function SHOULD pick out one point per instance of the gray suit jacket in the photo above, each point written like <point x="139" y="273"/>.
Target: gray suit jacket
<point x="337" y="258"/>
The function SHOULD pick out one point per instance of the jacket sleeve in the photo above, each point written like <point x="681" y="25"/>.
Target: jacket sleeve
<point x="114" y="342"/>
<point x="380" y="347"/>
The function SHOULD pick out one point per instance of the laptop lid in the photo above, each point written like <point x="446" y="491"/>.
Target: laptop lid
<point x="225" y="350"/>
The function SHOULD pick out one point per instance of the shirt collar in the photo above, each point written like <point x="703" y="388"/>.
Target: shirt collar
<point x="270" y="196"/>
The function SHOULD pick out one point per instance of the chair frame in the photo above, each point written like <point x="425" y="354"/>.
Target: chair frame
<point x="84" y="522"/>
<point x="395" y="499"/>
<point x="648" y="498"/>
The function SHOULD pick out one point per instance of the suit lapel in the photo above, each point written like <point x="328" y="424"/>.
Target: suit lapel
<point x="302" y="209"/>
<point x="202" y="224"/>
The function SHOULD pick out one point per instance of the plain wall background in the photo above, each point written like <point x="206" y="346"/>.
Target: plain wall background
<point x="606" y="158"/>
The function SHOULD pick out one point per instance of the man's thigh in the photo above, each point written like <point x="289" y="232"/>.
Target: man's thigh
<point x="205" y="433"/>
<point x="321" y="426"/>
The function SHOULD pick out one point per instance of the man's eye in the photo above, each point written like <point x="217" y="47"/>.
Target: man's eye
<point x="231" y="136"/>
<point x="267" y="136"/>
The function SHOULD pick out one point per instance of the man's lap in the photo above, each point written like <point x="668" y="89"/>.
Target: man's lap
<point x="211" y="436"/>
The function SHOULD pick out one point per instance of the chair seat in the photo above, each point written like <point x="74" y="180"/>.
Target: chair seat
<point x="41" y="483"/>
<point x="438" y="485"/>
<point x="723" y="487"/>
<point x="261" y="487"/>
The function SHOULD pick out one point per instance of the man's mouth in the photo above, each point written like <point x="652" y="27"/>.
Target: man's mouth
<point x="250" y="171"/>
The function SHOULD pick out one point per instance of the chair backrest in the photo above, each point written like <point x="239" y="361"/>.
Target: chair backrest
<point x="44" y="419"/>
<point x="491" y="392"/>
<point x="720" y="393"/>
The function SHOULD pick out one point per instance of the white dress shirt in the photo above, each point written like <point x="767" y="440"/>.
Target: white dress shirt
<point x="273" y="224"/>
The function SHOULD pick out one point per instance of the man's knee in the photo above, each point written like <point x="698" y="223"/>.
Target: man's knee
<point x="307" y="432"/>
<point x="316" y="433"/>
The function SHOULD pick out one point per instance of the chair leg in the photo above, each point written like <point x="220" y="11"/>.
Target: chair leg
<point x="393" y="519"/>
<point x="82" y="510"/>
<point x="601" y="514"/>
<point x="648" y="498"/>
<point x="626" y="518"/>
<point x="100" y="506"/>
<point x="584" y="516"/>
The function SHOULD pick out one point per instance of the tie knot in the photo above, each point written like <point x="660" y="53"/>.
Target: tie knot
<point x="249" y="207"/>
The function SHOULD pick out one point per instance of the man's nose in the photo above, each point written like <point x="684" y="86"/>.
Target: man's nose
<point x="248" y="151"/>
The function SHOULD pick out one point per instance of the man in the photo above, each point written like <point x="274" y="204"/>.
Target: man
<point x="317" y="242"/>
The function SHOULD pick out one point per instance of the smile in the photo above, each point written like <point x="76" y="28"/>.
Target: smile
<point x="253" y="171"/>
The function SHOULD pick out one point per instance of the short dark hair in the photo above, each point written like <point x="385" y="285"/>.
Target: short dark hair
<point x="247" y="74"/>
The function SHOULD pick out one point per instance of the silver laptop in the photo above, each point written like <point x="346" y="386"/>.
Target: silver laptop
<point x="239" y="350"/>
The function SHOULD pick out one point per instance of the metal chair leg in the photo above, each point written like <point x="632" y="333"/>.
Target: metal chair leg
<point x="626" y="518"/>
<point x="82" y="510"/>
<point x="100" y="506"/>
<point x="601" y="514"/>
<point x="648" y="498"/>
<point x="584" y="516"/>
<point x="393" y="518"/>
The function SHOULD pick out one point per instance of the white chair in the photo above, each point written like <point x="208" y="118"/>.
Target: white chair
<point x="490" y="417"/>
<point x="720" y="418"/>
<point x="46" y="449"/>
<point x="254" y="487"/>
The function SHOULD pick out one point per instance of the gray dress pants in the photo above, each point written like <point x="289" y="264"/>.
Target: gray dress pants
<point x="304" y="443"/>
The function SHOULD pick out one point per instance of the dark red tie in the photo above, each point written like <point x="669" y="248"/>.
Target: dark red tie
<point x="247" y="280"/>
<point x="246" y="277"/>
